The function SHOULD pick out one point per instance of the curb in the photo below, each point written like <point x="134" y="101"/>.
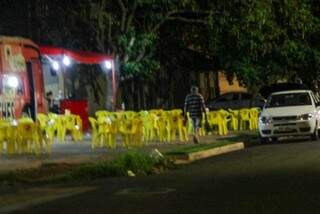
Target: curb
<point x="194" y="156"/>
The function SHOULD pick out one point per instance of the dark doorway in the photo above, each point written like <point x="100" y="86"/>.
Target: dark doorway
<point x="31" y="108"/>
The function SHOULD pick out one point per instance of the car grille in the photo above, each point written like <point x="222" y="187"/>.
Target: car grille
<point x="285" y="118"/>
<point x="285" y="131"/>
<point x="285" y="124"/>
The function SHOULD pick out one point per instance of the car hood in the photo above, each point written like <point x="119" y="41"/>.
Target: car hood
<point x="288" y="111"/>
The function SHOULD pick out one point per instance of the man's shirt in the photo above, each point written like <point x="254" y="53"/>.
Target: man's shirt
<point x="194" y="104"/>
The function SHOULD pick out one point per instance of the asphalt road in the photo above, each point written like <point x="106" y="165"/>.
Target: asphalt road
<point x="276" y="178"/>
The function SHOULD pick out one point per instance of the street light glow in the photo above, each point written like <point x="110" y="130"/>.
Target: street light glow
<point x="107" y="64"/>
<point x="66" y="61"/>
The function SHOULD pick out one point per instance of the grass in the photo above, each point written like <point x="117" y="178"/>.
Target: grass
<point x="249" y="138"/>
<point x="138" y="163"/>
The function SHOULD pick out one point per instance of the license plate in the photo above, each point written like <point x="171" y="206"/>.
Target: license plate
<point x="285" y="129"/>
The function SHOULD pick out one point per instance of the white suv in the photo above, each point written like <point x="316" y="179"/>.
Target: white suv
<point x="290" y="113"/>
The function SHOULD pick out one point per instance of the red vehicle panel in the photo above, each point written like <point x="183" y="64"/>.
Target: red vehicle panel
<point x="21" y="79"/>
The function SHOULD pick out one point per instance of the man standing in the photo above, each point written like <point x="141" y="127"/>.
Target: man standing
<point x="194" y="104"/>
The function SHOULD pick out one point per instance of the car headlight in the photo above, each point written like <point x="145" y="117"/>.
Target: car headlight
<point x="265" y="119"/>
<point x="306" y="116"/>
<point x="12" y="81"/>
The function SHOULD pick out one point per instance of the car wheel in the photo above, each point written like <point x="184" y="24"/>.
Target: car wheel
<point x="263" y="140"/>
<point x="274" y="140"/>
<point x="315" y="135"/>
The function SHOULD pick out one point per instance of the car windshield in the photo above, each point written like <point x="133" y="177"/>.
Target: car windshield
<point x="292" y="99"/>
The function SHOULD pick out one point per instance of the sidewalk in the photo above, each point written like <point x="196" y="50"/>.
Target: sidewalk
<point x="77" y="153"/>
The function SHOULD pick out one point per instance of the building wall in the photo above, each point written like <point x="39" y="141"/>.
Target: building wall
<point x="225" y="86"/>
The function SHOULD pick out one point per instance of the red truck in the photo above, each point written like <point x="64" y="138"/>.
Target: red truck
<point x="21" y="78"/>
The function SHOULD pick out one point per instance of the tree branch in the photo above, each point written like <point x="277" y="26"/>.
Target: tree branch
<point x="173" y="15"/>
<point x="141" y="55"/>
<point x="199" y="21"/>
<point x="124" y="15"/>
<point x="130" y="17"/>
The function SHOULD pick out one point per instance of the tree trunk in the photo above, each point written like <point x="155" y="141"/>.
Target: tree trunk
<point x="138" y="89"/>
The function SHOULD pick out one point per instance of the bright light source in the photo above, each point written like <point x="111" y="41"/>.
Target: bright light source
<point x="55" y="65"/>
<point x="14" y="123"/>
<point x="13" y="82"/>
<point x="66" y="61"/>
<point x="107" y="64"/>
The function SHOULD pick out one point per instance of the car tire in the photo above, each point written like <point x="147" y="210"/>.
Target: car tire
<point x="263" y="140"/>
<point x="274" y="140"/>
<point x="315" y="135"/>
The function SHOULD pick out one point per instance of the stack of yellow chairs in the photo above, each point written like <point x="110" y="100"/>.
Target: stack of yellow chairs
<point x="245" y="120"/>
<point x="254" y="116"/>
<point x="225" y="119"/>
<point x="107" y="130"/>
<point x="148" y="125"/>
<point x="139" y="128"/>
<point x="95" y="137"/>
<point x="176" y="121"/>
<point x="29" y="138"/>
<point x="74" y="126"/>
<point x="215" y="120"/>
<point x="163" y="127"/>
<point x="132" y="132"/>
<point x="7" y="136"/>
<point x="234" y="119"/>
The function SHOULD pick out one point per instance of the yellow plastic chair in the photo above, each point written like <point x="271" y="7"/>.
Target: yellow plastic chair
<point x="163" y="127"/>
<point x="102" y="113"/>
<point x="189" y="124"/>
<point x="51" y="127"/>
<point x="107" y="130"/>
<point x="177" y="125"/>
<point x="125" y="131"/>
<point x="130" y="114"/>
<point x="74" y="126"/>
<point x="61" y="127"/>
<point x="137" y="131"/>
<point x="234" y="119"/>
<point x="28" y="136"/>
<point x="225" y="119"/>
<point x="148" y="125"/>
<point x="11" y="136"/>
<point x="43" y="123"/>
<point x="245" y="121"/>
<point x="215" y="120"/>
<point x="3" y="135"/>
<point x="254" y="116"/>
<point x="94" y="132"/>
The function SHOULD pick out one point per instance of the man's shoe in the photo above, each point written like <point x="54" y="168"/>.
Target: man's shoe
<point x="195" y="140"/>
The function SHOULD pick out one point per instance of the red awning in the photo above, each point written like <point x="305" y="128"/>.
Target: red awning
<point x="85" y="57"/>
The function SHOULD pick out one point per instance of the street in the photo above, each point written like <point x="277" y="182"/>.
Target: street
<point x="275" y="178"/>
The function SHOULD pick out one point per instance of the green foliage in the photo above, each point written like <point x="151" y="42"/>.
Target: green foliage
<point x="138" y="163"/>
<point x="264" y="41"/>
<point x="139" y="49"/>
